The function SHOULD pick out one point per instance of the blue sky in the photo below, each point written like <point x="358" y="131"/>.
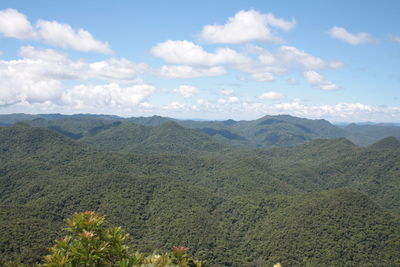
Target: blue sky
<point x="337" y="60"/>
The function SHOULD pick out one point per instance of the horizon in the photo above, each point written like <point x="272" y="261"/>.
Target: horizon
<point x="240" y="61"/>
<point x="337" y="123"/>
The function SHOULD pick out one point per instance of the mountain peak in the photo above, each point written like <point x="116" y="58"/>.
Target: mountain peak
<point x="390" y="142"/>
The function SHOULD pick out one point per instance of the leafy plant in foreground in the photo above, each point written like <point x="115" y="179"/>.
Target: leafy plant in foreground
<point x="90" y="244"/>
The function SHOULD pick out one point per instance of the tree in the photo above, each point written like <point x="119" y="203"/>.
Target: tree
<point x="90" y="244"/>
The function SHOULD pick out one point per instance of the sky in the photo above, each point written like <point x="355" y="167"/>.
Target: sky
<point x="214" y="60"/>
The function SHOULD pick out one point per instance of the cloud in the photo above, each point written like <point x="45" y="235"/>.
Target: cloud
<point x="292" y="55"/>
<point x="289" y="56"/>
<point x="226" y="92"/>
<point x="15" y="25"/>
<point x="63" y="35"/>
<point x="26" y="80"/>
<point x="340" y="112"/>
<point x="237" y="109"/>
<point x="318" y="81"/>
<point x="233" y="99"/>
<point x="188" y="53"/>
<point x="246" y="26"/>
<point x="40" y="74"/>
<point x="49" y="55"/>
<point x="53" y="64"/>
<point x="228" y="100"/>
<point x="342" y="34"/>
<point x="260" y="64"/>
<point x="185" y="71"/>
<point x="271" y="96"/>
<point x="121" y="70"/>
<point x="186" y="91"/>
<point x="175" y="106"/>
<point x="106" y="95"/>
<point x="268" y="65"/>
<point x="21" y="86"/>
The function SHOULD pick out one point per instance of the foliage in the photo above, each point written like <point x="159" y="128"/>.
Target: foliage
<point x="168" y="137"/>
<point x="90" y="244"/>
<point x="302" y="205"/>
<point x="268" y="131"/>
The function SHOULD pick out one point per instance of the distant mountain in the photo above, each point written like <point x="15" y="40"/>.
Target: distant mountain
<point x="168" y="137"/>
<point x="9" y="119"/>
<point x="150" y="121"/>
<point x="76" y="127"/>
<point x="268" y="131"/>
<point x="368" y="134"/>
<point x="390" y="142"/>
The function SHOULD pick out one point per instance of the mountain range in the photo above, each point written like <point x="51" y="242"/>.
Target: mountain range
<point x="268" y="131"/>
<point x="238" y="193"/>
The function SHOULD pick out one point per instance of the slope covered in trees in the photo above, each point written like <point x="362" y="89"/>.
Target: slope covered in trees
<point x="268" y="131"/>
<point x="168" y="137"/>
<point x="322" y="202"/>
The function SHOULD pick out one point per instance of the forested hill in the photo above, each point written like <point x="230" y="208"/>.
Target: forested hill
<point x="169" y="137"/>
<point x="268" y="131"/>
<point x="323" y="203"/>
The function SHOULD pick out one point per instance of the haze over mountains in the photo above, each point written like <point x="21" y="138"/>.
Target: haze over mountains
<point x="238" y="193"/>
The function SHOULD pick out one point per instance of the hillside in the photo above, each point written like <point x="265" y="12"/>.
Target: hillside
<point x="268" y="131"/>
<point x="368" y="134"/>
<point x="237" y="208"/>
<point x="390" y="142"/>
<point x="165" y="138"/>
<point x="324" y="230"/>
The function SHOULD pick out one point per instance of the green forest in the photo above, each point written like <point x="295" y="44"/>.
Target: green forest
<point x="237" y="193"/>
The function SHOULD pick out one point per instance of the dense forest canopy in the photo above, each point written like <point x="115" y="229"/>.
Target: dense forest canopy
<point x="238" y="193"/>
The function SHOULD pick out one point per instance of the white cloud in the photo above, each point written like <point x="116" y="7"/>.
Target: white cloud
<point x="318" y="81"/>
<point x="292" y="55"/>
<point x="146" y="105"/>
<point x="342" y="34"/>
<point x="15" y="24"/>
<point x="51" y="63"/>
<point x="121" y="70"/>
<point x="233" y="99"/>
<point x="226" y="91"/>
<point x="268" y="65"/>
<point x="26" y="81"/>
<point x="49" y="55"/>
<point x="246" y="26"/>
<point x="343" y="112"/>
<point x="289" y="56"/>
<point x="228" y="100"/>
<point x="188" y="53"/>
<point x="175" y="106"/>
<point x="18" y="85"/>
<point x="39" y="75"/>
<point x="186" y="91"/>
<point x="185" y="71"/>
<point x="63" y="35"/>
<point x="271" y="96"/>
<point x="263" y="67"/>
<point x="261" y="76"/>
<point x="106" y="95"/>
